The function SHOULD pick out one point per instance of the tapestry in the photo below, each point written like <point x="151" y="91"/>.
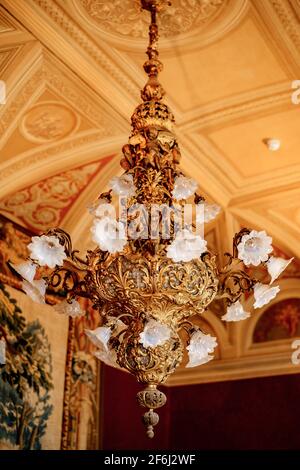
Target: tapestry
<point x="30" y="406"/>
<point x="72" y="388"/>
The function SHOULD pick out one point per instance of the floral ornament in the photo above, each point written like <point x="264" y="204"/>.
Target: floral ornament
<point x="235" y="312"/>
<point x="100" y="336"/>
<point x="70" y="309"/>
<point x="254" y="248"/>
<point x="154" y="334"/>
<point x="108" y="357"/>
<point x="2" y="351"/>
<point x="47" y="251"/>
<point x="35" y="290"/>
<point x="263" y="294"/>
<point x="26" y="270"/>
<point x="195" y="361"/>
<point x="184" y="187"/>
<point x="138" y="139"/>
<point x="186" y="246"/>
<point x="82" y="367"/>
<point x="123" y="185"/>
<point x="199" y="348"/>
<point x="109" y="234"/>
<point x="206" y="212"/>
<point x="276" y="266"/>
<point x="102" y="208"/>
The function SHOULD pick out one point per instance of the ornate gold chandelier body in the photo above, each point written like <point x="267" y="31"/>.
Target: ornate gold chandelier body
<point x="142" y="282"/>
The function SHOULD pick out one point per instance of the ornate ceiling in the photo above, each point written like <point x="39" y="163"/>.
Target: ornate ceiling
<point x="73" y="71"/>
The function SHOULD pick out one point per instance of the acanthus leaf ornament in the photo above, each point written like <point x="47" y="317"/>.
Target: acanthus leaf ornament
<point x="154" y="282"/>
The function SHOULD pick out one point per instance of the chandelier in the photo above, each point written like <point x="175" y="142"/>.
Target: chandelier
<point x="151" y="271"/>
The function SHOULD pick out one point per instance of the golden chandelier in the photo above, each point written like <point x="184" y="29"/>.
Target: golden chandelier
<point x="147" y="288"/>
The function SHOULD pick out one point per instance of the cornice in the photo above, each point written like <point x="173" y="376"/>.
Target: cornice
<point x="66" y="23"/>
<point x="281" y="17"/>
<point x="258" y="365"/>
<point x="247" y="105"/>
<point x="48" y="21"/>
<point x="288" y="19"/>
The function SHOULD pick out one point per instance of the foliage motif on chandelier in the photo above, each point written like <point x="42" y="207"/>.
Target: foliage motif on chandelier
<point x="148" y="288"/>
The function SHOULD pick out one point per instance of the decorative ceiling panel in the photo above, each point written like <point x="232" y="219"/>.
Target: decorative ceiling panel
<point x="249" y="154"/>
<point x="45" y="204"/>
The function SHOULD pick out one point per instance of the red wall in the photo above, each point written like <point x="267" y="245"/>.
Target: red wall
<point x="261" y="413"/>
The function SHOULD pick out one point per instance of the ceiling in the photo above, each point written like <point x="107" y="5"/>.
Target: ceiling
<point x="73" y="74"/>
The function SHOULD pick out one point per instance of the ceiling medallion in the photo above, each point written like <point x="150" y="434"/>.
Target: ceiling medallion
<point x="151" y="271"/>
<point x="124" y="17"/>
<point x="48" y="121"/>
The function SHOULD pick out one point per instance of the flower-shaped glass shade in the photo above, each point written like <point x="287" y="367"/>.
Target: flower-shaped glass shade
<point x="109" y="357"/>
<point x="109" y="234"/>
<point x="100" y="336"/>
<point x="276" y="266"/>
<point x="35" y="290"/>
<point x="154" y="334"/>
<point x="211" y="211"/>
<point x="263" y="294"/>
<point x="71" y="309"/>
<point x="26" y="270"/>
<point x="207" y="212"/>
<point x="184" y="187"/>
<point x="47" y="251"/>
<point x="195" y="360"/>
<point x="186" y="246"/>
<point x="102" y="208"/>
<point x="235" y="312"/>
<point x="199" y="348"/>
<point x="123" y="185"/>
<point x="254" y="248"/>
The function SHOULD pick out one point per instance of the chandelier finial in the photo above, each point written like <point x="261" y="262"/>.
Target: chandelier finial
<point x="153" y="89"/>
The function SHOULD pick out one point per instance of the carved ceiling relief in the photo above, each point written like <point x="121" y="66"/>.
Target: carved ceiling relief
<point x="123" y="24"/>
<point x="45" y="204"/>
<point x="124" y="17"/>
<point x="48" y="121"/>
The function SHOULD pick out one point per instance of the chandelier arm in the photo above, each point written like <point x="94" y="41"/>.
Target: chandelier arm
<point x="69" y="282"/>
<point x="234" y="284"/>
<point x="65" y="240"/>
<point x="187" y="326"/>
<point x="237" y="239"/>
